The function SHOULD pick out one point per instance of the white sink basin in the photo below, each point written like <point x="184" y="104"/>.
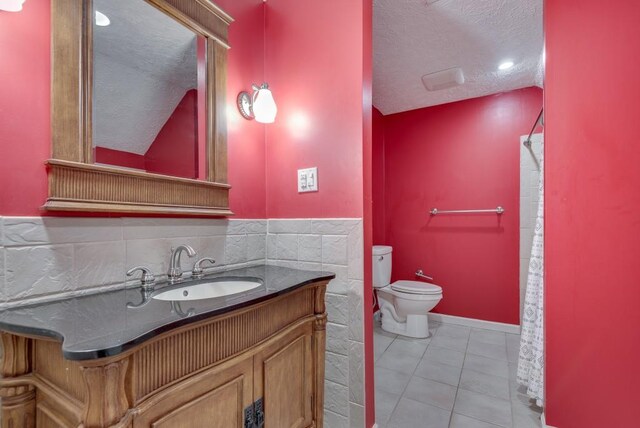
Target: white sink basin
<point x="207" y="290"/>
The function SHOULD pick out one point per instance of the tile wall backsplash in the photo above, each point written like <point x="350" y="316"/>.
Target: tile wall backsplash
<point x="49" y="257"/>
<point x="332" y="245"/>
<point x="529" y="177"/>
<point x="44" y="257"/>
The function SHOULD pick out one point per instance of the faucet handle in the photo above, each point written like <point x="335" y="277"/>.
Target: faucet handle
<point x="147" y="279"/>
<point x="197" y="271"/>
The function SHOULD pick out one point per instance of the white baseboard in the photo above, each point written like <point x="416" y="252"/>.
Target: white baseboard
<point x="375" y="426"/>
<point x="470" y="322"/>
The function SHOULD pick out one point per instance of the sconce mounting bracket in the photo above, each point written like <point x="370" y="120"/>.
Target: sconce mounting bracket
<point x="244" y="105"/>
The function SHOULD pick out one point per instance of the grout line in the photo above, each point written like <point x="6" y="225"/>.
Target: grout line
<point x="401" y="396"/>
<point x="466" y="353"/>
<point x="407" y="385"/>
<point x="464" y="359"/>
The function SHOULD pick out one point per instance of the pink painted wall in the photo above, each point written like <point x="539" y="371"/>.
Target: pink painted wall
<point x="313" y="63"/>
<point x="25" y="138"/>
<point x="245" y="139"/>
<point x="459" y="156"/>
<point x="173" y="152"/>
<point x="24" y="108"/>
<point x="592" y="217"/>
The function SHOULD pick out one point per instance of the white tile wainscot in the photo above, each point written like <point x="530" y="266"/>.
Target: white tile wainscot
<point x="47" y="257"/>
<point x="334" y="245"/>
<point x="50" y="257"/>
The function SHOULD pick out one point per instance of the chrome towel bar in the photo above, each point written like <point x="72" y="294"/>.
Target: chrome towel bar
<point x="498" y="210"/>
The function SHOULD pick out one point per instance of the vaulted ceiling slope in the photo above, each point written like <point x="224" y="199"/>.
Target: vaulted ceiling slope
<point x="144" y="63"/>
<point x="412" y="38"/>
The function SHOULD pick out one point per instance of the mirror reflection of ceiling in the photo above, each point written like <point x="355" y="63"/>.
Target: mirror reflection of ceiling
<point x="412" y="38"/>
<point x="144" y="63"/>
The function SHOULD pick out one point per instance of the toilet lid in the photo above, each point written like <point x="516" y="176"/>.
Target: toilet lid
<point x="416" y="287"/>
<point x="381" y="250"/>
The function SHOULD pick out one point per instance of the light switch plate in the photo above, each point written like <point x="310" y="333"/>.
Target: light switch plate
<point x="308" y="180"/>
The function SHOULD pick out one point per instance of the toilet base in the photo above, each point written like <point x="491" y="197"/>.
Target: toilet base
<point x="416" y="326"/>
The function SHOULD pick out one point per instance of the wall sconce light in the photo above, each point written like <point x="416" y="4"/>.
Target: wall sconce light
<point x="11" y="5"/>
<point x="259" y="106"/>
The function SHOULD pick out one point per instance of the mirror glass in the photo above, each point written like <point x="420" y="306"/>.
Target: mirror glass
<point x="148" y="89"/>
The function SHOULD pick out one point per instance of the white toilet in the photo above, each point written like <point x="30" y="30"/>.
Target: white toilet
<point x="404" y="305"/>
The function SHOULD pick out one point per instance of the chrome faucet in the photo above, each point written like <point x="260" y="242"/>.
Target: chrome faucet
<point x="175" y="271"/>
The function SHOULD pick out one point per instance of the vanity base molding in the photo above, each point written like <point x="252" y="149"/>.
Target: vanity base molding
<point x="206" y="374"/>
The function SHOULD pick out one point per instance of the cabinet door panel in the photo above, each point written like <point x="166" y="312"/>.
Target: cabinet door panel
<point x="220" y="408"/>
<point x="214" y="398"/>
<point x="283" y="379"/>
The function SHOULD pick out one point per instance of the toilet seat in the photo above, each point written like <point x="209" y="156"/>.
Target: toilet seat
<point x="416" y="287"/>
<point x="409" y="296"/>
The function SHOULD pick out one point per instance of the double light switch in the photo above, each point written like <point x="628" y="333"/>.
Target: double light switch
<point x="308" y="180"/>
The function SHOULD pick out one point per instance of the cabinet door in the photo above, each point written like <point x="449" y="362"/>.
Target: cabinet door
<point x="283" y="378"/>
<point x="213" y="399"/>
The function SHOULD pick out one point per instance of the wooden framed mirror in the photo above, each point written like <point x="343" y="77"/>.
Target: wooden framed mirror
<point x="138" y="107"/>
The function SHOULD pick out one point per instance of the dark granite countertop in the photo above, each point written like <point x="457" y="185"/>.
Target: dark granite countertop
<point x="106" y="324"/>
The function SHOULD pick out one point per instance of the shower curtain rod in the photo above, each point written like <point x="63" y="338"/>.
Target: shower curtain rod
<point x="527" y="142"/>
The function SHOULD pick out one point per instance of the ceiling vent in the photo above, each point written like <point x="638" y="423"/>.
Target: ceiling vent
<point x="443" y="79"/>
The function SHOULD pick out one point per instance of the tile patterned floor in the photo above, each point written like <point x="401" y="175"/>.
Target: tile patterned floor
<point x="458" y="378"/>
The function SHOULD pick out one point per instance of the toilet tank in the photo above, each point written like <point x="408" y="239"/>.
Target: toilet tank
<point x="381" y="265"/>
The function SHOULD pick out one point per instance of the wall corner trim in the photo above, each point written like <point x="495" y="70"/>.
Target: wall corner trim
<point x="544" y="422"/>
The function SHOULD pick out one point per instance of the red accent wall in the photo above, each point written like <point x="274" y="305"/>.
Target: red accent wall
<point x="118" y="157"/>
<point x="592" y="215"/>
<point x="459" y="156"/>
<point x="245" y="139"/>
<point x="25" y="138"/>
<point x="313" y="63"/>
<point x="173" y="152"/>
<point x="379" y="232"/>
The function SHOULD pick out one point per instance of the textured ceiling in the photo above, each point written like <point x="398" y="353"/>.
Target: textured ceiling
<point x="412" y="38"/>
<point x="144" y="63"/>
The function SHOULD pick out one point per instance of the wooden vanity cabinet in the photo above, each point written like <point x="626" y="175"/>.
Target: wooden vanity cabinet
<point x="260" y="366"/>
<point x="215" y="398"/>
<point x="283" y="375"/>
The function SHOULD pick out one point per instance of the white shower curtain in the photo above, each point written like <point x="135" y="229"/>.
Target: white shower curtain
<point x="531" y="358"/>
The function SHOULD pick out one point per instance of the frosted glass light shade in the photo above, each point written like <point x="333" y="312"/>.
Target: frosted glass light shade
<point x="102" y="20"/>
<point x="11" y="5"/>
<point x="264" y="106"/>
